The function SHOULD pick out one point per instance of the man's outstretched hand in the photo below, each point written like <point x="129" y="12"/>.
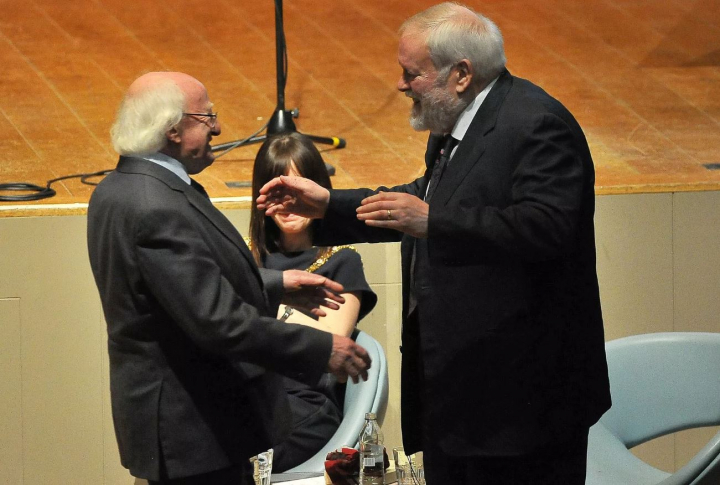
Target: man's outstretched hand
<point x="311" y="292"/>
<point x="348" y="359"/>
<point x="293" y="195"/>
<point x="395" y="210"/>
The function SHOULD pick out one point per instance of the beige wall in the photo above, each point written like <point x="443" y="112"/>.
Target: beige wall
<point x="659" y="271"/>
<point x="656" y="264"/>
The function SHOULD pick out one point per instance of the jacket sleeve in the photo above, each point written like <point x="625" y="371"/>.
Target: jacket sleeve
<point x="273" y="281"/>
<point x="182" y="274"/>
<point x="341" y="225"/>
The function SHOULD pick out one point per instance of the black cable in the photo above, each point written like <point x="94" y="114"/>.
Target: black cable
<point x="226" y="147"/>
<point x="84" y="178"/>
<point x="39" y="192"/>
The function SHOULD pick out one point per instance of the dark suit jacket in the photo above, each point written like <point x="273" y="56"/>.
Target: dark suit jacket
<point x="509" y="325"/>
<point x="189" y="330"/>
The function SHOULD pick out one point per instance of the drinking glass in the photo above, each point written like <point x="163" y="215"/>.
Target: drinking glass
<point x="408" y="469"/>
<point x="262" y="467"/>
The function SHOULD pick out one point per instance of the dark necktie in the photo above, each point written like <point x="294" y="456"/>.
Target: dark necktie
<point x="448" y="143"/>
<point x="197" y="186"/>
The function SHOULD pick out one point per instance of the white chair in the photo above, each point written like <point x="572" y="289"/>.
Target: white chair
<point x="660" y="383"/>
<point x="364" y="397"/>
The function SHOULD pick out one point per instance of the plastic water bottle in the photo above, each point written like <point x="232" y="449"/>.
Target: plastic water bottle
<point x="372" y="452"/>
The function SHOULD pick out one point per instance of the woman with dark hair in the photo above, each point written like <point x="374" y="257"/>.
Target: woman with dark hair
<point x="284" y="242"/>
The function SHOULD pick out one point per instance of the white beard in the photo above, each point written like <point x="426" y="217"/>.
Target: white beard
<point x="437" y="110"/>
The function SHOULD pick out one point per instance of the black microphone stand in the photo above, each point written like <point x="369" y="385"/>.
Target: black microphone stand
<point x="281" y="120"/>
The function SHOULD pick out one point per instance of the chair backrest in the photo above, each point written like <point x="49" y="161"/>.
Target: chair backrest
<point x="364" y="397"/>
<point x="662" y="383"/>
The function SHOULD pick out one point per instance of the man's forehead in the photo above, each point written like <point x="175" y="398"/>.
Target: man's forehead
<point x="197" y="97"/>
<point x="413" y="50"/>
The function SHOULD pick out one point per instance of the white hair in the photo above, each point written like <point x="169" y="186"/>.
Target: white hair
<point x="454" y="32"/>
<point x="144" y="118"/>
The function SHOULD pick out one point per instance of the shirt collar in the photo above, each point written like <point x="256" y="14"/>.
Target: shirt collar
<point x="466" y="117"/>
<point x="169" y="163"/>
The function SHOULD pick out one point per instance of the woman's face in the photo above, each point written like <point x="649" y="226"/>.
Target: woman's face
<point x="291" y="223"/>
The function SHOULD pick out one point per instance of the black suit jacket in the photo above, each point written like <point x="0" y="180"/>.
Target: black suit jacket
<point x="189" y="330"/>
<point x="508" y="323"/>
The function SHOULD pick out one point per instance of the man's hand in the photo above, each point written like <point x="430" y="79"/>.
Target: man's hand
<point x="348" y="359"/>
<point x="395" y="210"/>
<point x="293" y="195"/>
<point x="311" y="292"/>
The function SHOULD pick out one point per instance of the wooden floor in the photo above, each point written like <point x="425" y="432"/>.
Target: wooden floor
<point x="641" y="76"/>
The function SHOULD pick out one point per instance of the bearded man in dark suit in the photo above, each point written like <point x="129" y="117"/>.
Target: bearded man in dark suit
<point x="194" y="350"/>
<point x="504" y="366"/>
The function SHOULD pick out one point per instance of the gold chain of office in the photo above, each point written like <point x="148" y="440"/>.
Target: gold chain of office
<point x="322" y="259"/>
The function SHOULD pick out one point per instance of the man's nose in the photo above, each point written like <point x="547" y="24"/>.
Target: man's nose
<point x="402" y="85"/>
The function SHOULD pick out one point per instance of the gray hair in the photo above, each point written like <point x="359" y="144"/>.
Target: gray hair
<point x="454" y="32"/>
<point x="144" y="118"/>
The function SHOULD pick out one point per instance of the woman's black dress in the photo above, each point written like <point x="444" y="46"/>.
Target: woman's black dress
<point x="317" y="409"/>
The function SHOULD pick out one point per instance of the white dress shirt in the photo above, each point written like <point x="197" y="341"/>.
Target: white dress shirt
<point x="466" y="117"/>
<point x="169" y="163"/>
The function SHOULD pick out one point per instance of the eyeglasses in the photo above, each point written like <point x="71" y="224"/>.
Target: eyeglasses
<point x="212" y="118"/>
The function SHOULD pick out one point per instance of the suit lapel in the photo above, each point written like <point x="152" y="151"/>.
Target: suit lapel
<point x="472" y="146"/>
<point x="207" y="209"/>
<point x="195" y="198"/>
<point x="213" y="214"/>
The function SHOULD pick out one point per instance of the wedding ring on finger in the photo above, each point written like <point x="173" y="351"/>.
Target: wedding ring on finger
<point x="389" y="215"/>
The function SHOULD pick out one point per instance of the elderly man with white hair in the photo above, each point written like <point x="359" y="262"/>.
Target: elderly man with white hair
<point x="194" y="349"/>
<point x="503" y="368"/>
